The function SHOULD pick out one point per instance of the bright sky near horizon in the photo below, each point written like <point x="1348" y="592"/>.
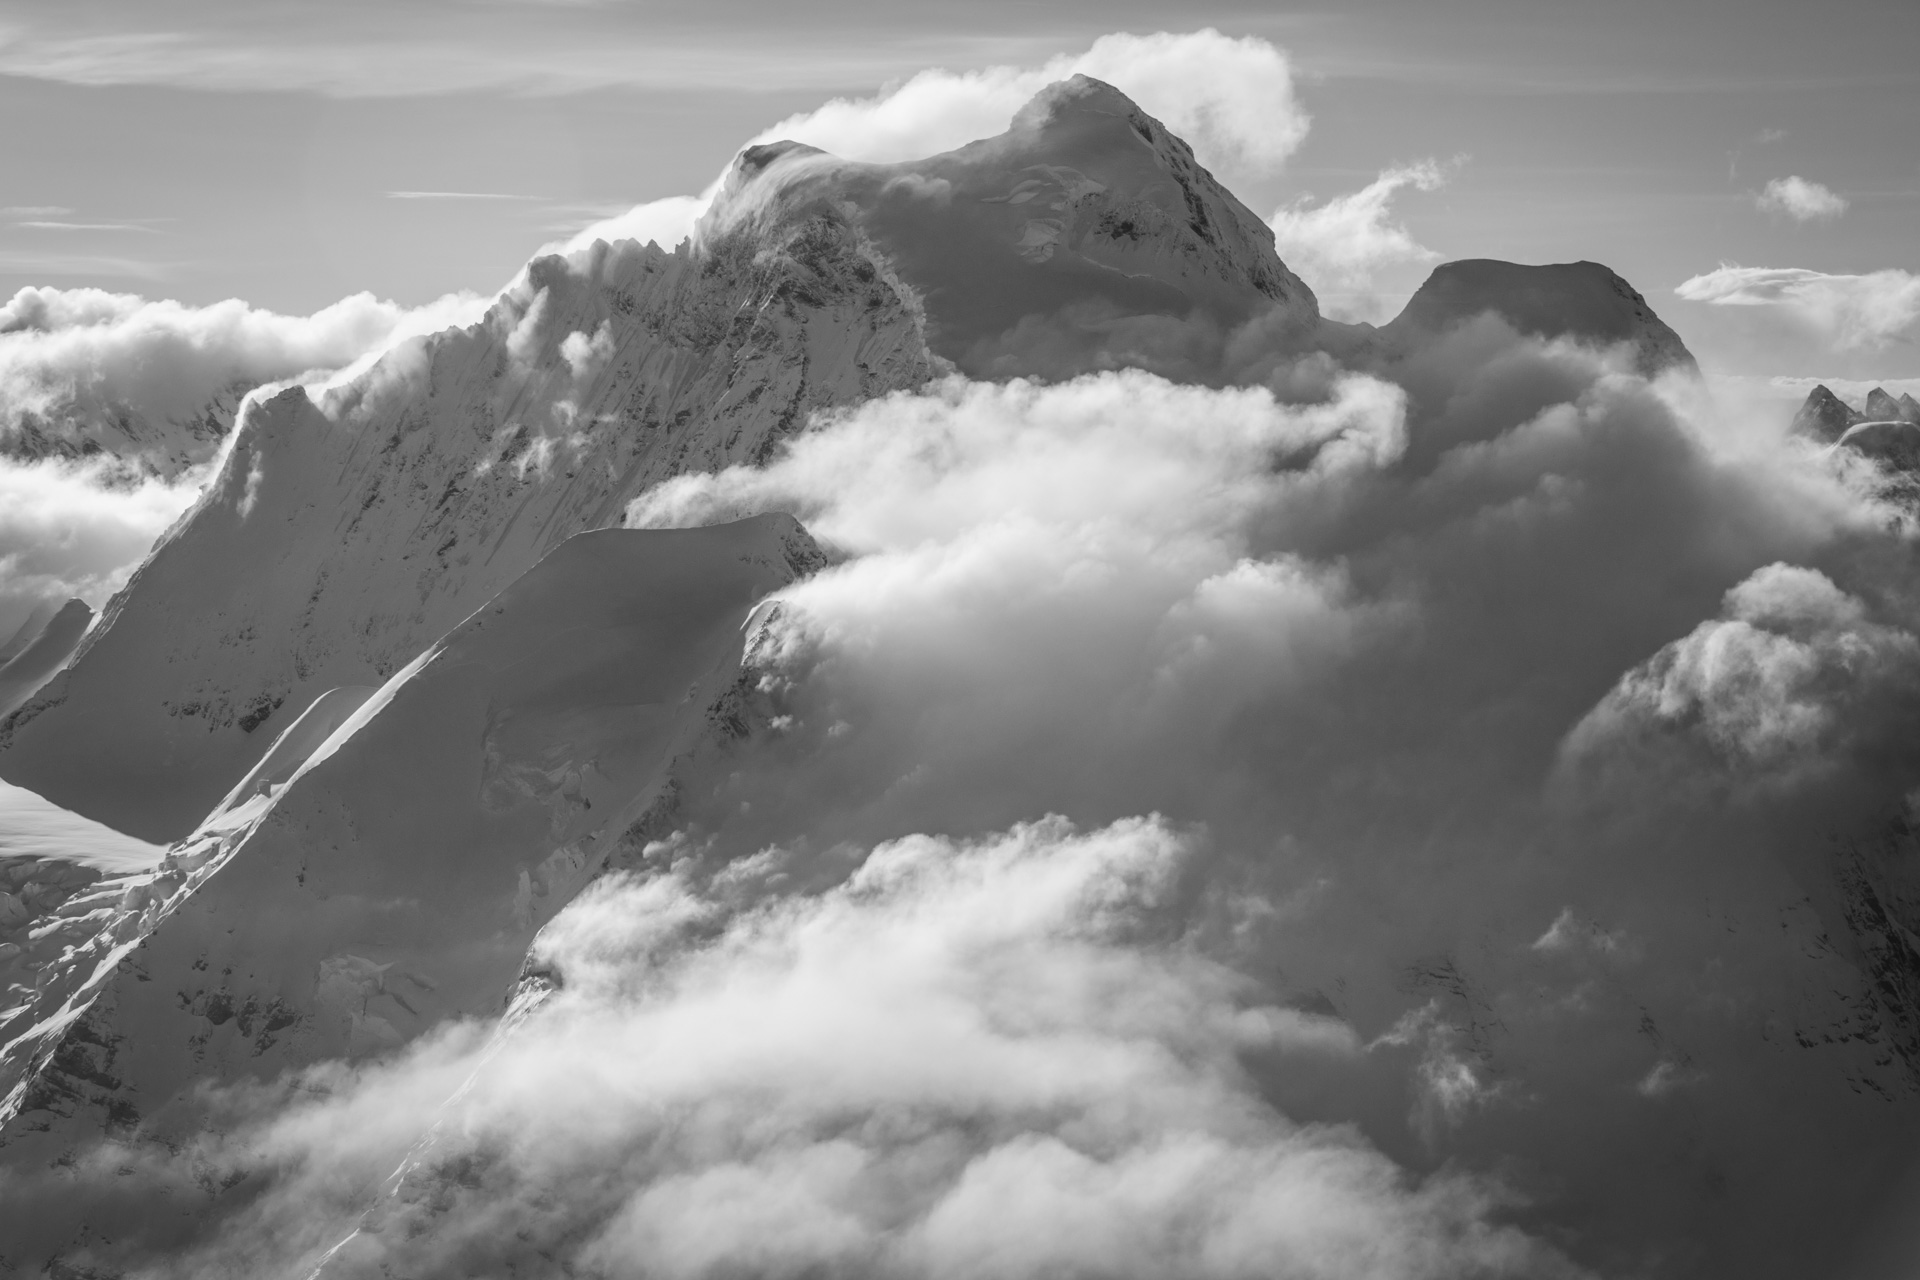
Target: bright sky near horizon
<point x="291" y="153"/>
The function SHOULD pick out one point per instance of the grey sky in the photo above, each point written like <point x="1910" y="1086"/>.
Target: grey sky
<point x="202" y="150"/>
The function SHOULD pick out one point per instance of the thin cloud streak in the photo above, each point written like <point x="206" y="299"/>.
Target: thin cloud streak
<point x="41" y="225"/>
<point x="31" y="262"/>
<point x="408" y="54"/>
<point x="458" y="195"/>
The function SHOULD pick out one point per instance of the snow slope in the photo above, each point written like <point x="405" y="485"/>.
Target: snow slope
<point x="397" y="878"/>
<point x="31" y="829"/>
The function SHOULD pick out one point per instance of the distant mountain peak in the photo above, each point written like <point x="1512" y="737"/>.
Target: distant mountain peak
<point x="1584" y="300"/>
<point x="1825" y="417"/>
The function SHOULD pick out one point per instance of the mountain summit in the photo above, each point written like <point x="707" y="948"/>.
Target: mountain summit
<point x="1086" y="236"/>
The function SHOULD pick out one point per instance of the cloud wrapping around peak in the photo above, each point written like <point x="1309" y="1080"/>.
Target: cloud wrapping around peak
<point x="1337" y="247"/>
<point x="1230" y="98"/>
<point x="1852" y="312"/>
<point x="1801" y="200"/>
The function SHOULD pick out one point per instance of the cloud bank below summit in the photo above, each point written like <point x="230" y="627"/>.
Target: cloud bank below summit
<point x="1110" y="800"/>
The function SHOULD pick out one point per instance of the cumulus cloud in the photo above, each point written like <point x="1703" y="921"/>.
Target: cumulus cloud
<point x="1801" y="200"/>
<point x="1337" y="247"/>
<point x="1852" y="312"/>
<point x="1230" y="98"/>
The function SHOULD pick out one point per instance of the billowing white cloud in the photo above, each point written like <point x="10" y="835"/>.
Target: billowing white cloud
<point x="1230" y="98"/>
<point x="1337" y="247"/>
<point x="665" y="222"/>
<point x="959" y="1062"/>
<point x="1801" y="200"/>
<point x="1852" y="312"/>
<point x="1773" y="687"/>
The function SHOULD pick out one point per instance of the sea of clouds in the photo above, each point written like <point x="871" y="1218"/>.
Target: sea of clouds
<point x="1349" y="825"/>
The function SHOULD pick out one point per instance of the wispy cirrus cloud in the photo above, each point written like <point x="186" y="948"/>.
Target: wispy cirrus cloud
<point x="55" y="263"/>
<point x="41" y="224"/>
<point x="458" y="195"/>
<point x="437" y="47"/>
<point x="1800" y="199"/>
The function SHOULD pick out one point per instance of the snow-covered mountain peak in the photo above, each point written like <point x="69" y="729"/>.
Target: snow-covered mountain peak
<point x="1085" y="236"/>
